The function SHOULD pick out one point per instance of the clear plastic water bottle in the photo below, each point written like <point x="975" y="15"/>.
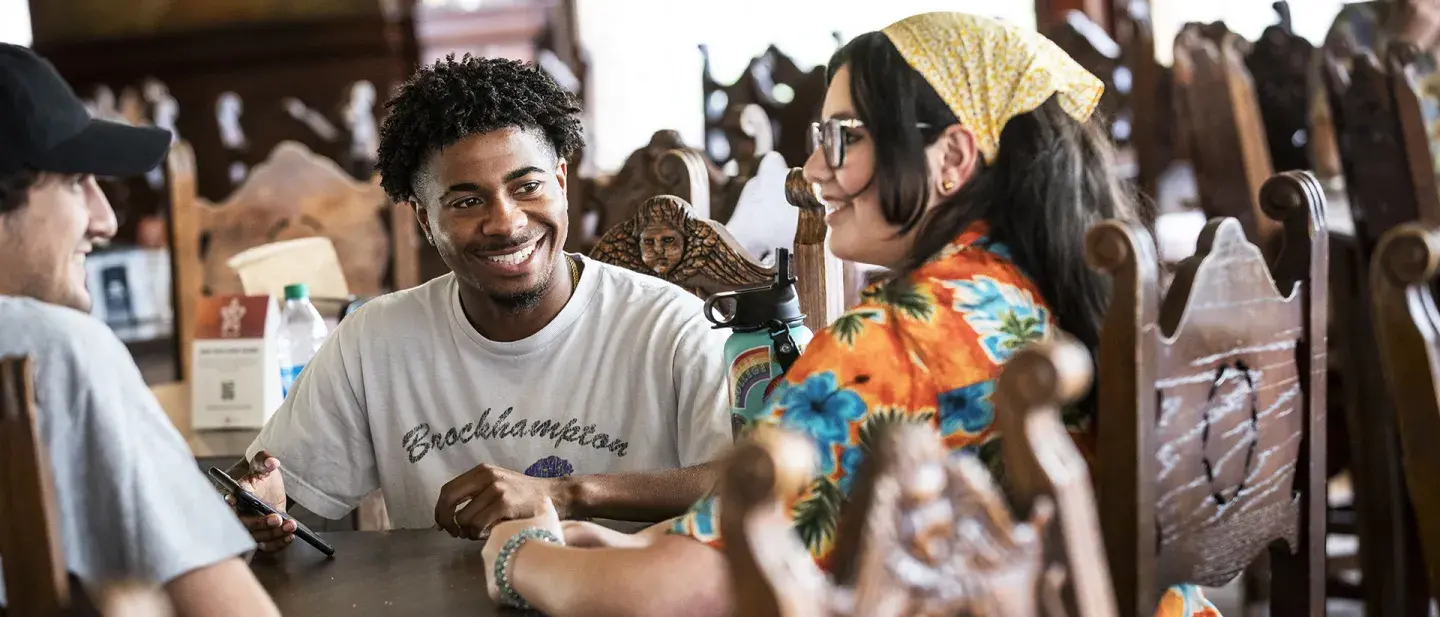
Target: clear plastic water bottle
<point x="302" y="330"/>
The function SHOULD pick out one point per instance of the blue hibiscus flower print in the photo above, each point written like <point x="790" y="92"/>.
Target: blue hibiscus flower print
<point x="822" y="408"/>
<point x="850" y="465"/>
<point x="968" y="409"/>
<point x="1004" y="317"/>
<point x="550" y="467"/>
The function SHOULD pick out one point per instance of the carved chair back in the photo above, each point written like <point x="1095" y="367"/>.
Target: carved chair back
<point x="789" y="96"/>
<point x="1407" y="328"/>
<point x="1222" y="115"/>
<point x="926" y="532"/>
<point x="1378" y="110"/>
<point x="665" y="166"/>
<point x="293" y="194"/>
<point x="1211" y="406"/>
<point x="1280" y="64"/>
<point x="668" y="239"/>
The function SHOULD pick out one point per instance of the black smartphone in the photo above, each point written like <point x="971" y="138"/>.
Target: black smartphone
<point x="247" y="501"/>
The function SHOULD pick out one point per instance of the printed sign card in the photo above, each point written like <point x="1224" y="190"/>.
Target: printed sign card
<point x="236" y="374"/>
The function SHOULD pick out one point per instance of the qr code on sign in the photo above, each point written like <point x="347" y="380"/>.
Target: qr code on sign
<point x="227" y="390"/>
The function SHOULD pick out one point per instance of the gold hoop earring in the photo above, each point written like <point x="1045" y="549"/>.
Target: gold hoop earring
<point x="947" y="185"/>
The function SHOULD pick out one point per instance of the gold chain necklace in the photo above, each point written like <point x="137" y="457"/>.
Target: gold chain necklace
<point x="574" y="273"/>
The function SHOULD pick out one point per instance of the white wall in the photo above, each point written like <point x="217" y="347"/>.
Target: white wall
<point x="15" y="22"/>
<point x="645" y="61"/>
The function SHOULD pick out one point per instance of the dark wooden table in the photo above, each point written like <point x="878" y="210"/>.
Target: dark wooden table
<point x="380" y="573"/>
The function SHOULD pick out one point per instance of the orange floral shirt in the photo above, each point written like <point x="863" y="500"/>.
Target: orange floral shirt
<point x="928" y="350"/>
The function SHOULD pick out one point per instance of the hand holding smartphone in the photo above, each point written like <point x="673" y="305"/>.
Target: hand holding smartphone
<point x="248" y="502"/>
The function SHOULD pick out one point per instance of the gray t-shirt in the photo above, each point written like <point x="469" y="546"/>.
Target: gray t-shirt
<point x="132" y="500"/>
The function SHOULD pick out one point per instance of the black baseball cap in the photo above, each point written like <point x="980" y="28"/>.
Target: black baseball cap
<point x="44" y="126"/>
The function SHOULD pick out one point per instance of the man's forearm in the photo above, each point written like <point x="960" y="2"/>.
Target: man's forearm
<point x="643" y="496"/>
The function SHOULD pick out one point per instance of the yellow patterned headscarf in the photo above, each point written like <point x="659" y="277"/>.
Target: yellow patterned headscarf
<point x="988" y="71"/>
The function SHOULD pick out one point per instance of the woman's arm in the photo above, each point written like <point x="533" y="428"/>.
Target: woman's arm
<point x="675" y="575"/>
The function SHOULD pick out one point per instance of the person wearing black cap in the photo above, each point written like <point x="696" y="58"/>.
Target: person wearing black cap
<point x="132" y="503"/>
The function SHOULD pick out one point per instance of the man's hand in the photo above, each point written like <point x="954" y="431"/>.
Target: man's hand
<point x="494" y="495"/>
<point x="264" y="480"/>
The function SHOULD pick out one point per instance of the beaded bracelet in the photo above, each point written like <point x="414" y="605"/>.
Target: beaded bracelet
<point x="509" y="596"/>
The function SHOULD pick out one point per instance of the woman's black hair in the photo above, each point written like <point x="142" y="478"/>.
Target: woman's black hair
<point x="1050" y="181"/>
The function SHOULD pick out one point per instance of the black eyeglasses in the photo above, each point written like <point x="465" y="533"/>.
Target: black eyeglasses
<point x="833" y="135"/>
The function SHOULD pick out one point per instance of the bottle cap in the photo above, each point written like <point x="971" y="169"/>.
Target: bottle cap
<point x="757" y="308"/>
<point x="298" y="291"/>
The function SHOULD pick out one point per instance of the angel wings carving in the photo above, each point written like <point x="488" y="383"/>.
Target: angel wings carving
<point x="666" y="240"/>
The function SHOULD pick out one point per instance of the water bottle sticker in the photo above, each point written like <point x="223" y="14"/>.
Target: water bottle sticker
<point x="751" y="369"/>
<point x="288" y="375"/>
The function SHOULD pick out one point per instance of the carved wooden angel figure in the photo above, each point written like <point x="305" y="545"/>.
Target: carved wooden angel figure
<point x="666" y="240"/>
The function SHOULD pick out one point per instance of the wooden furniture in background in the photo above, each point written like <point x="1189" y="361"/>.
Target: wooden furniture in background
<point x="37" y="583"/>
<point x="267" y="67"/>
<point x="752" y="136"/>
<point x="1153" y="133"/>
<point x="293" y="194"/>
<point x="824" y="278"/>
<point x="665" y="166"/>
<point x="1044" y="467"/>
<point x="789" y="96"/>
<point x="667" y="239"/>
<point x="1090" y="45"/>
<point x="1221" y="113"/>
<point x="35" y="579"/>
<point x="1407" y="327"/>
<point x="1390" y="180"/>
<point x="1280" y="64"/>
<point x="1211" y="407"/>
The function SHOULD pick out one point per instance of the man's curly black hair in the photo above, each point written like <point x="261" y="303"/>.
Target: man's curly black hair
<point x="453" y="99"/>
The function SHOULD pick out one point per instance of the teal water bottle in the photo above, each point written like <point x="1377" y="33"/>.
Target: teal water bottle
<point x="768" y="335"/>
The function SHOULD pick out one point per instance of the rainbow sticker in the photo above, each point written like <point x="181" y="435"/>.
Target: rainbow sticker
<point x="751" y="369"/>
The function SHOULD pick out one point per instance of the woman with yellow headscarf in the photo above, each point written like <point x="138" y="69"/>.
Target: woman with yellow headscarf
<point x="959" y="153"/>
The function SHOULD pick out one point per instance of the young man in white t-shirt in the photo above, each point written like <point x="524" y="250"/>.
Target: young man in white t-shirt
<point x="526" y="373"/>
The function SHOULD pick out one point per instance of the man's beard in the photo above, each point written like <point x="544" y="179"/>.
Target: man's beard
<point x="525" y="300"/>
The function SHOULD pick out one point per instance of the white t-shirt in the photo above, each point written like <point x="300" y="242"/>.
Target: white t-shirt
<point x="406" y="394"/>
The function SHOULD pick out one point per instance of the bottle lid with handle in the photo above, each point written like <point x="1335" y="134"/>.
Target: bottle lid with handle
<point x="760" y="307"/>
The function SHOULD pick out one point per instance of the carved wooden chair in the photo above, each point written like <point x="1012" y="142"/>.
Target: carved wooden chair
<point x="752" y="136"/>
<point x="668" y="239"/>
<point x="789" y="96"/>
<point x="1385" y="153"/>
<point x="293" y="194"/>
<point x="1152" y="106"/>
<point x="928" y="533"/>
<point x="1091" y="46"/>
<point x="1221" y="113"/>
<point x="36" y="580"/>
<point x="1280" y="63"/>
<point x="1407" y="328"/>
<point x="1211" y="407"/>
<point x="665" y="166"/>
